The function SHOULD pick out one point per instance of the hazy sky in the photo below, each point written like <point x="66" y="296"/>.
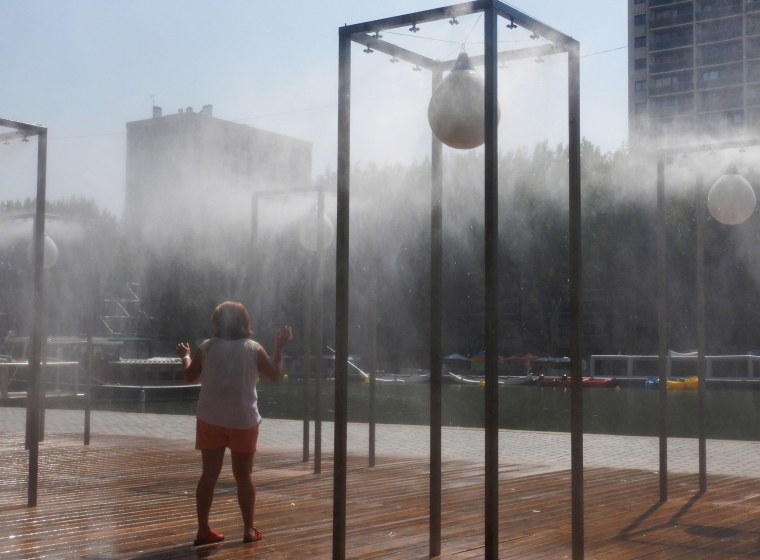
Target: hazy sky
<point x="84" y="68"/>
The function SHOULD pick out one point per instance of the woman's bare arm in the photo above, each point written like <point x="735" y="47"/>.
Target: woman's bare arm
<point x="272" y="368"/>
<point x="191" y="368"/>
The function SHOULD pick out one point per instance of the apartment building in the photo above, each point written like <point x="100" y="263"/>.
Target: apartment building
<point x="693" y="69"/>
<point x="204" y="169"/>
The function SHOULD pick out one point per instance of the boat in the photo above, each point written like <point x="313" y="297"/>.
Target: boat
<point x="415" y="376"/>
<point x="676" y="384"/>
<point x="586" y="382"/>
<point x="480" y="380"/>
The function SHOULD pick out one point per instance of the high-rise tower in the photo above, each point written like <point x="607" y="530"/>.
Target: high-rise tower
<point x="693" y="69"/>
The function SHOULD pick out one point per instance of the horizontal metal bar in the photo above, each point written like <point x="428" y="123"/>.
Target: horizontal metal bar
<point x="281" y="192"/>
<point x="33" y="129"/>
<point x="414" y="18"/>
<point x="709" y="147"/>
<point x="526" y="21"/>
<point x="394" y="50"/>
<point x="430" y="64"/>
<point x="513" y="15"/>
<point x="10" y="216"/>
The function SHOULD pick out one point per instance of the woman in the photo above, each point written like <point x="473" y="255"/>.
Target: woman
<point x="228" y="367"/>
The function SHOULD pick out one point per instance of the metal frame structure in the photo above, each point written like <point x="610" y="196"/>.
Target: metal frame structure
<point x="367" y="35"/>
<point x="662" y="307"/>
<point x="34" y="401"/>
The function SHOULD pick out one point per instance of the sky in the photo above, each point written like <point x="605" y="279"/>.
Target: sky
<point x="84" y="68"/>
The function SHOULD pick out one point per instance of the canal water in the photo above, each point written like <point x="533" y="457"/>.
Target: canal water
<point x="730" y="413"/>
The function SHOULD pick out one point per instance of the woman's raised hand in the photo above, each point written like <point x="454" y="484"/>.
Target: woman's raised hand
<point x="283" y="336"/>
<point x="183" y="350"/>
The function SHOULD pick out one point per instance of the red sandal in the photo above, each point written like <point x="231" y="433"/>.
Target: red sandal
<point x="212" y="538"/>
<point x="256" y="536"/>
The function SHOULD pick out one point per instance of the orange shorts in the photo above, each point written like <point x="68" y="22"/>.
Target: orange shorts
<point x="210" y="436"/>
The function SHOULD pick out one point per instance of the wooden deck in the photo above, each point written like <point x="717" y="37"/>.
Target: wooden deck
<point x="133" y="497"/>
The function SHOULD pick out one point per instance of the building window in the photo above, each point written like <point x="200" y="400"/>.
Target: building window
<point x="668" y="61"/>
<point x="640" y="85"/>
<point x="672" y="15"/>
<point x="753" y="71"/>
<point x="724" y="75"/>
<point x="709" y="9"/>
<point x="639" y="19"/>
<point x="644" y="1"/>
<point x="640" y="41"/>
<point x="672" y="83"/>
<point x="640" y="64"/>
<point x="711" y="76"/>
<point x="753" y="25"/>
<point x="666" y="81"/>
<point x="670" y="38"/>
<point x="720" y="53"/>
<point x="640" y="108"/>
<point x="722" y="29"/>
<point x="721" y="100"/>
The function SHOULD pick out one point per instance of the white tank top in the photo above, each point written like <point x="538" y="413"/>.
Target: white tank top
<point x="228" y="383"/>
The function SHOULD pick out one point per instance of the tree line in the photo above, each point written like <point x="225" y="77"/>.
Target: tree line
<point x="180" y="278"/>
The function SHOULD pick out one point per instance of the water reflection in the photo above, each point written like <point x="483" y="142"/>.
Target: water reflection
<point x="731" y="413"/>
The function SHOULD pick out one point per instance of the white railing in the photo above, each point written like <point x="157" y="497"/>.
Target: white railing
<point x="55" y="375"/>
<point x="633" y="363"/>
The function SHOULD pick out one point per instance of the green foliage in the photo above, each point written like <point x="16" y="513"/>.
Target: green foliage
<point x="181" y="278"/>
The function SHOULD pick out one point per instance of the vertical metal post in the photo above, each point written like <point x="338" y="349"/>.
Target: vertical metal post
<point x="254" y="219"/>
<point x="253" y="251"/>
<point x="89" y="364"/>
<point x="319" y="370"/>
<point x="372" y="419"/>
<point x="436" y="328"/>
<point x="491" y="210"/>
<point x="308" y="345"/>
<point x="576" y="391"/>
<point x="341" y="298"/>
<point x="34" y="392"/>
<point x="699" y="208"/>
<point x="662" y="327"/>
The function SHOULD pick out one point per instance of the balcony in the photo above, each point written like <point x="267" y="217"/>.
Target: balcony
<point x="720" y="53"/>
<point x="721" y="100"/>
<point x="671" y="83"/>
<point x="666" y="40"/>
<point x="717" y="11"/>
<point x="655" y="3"/>
<point x="720" y="76"/>
<point x="669" y="18"/>
<point x="753" y="96"/>
<point x="753" y="71"/>
<point x="671" y="61"/>
<point x="721" y="30"/>
<point x="671" y="106"/>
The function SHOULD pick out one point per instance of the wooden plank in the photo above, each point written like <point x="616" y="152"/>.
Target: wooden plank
<point x="133" y="497"/>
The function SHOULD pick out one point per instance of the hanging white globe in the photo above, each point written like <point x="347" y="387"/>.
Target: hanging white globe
<point x="307" y="233"/>
<point x="456" y="112"/>
<point x="50" y="252"/>
<point x="731" y="199"/>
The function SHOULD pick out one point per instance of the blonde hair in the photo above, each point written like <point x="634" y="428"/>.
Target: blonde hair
<point x="231" y="321"/>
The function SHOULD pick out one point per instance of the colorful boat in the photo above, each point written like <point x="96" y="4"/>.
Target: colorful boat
<point x="586" y="382"/>
<point x="675" y="384"/>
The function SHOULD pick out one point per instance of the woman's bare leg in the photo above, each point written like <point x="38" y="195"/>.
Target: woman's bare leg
<point x="204" y="493"/>
<point x="242" y="469"/>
